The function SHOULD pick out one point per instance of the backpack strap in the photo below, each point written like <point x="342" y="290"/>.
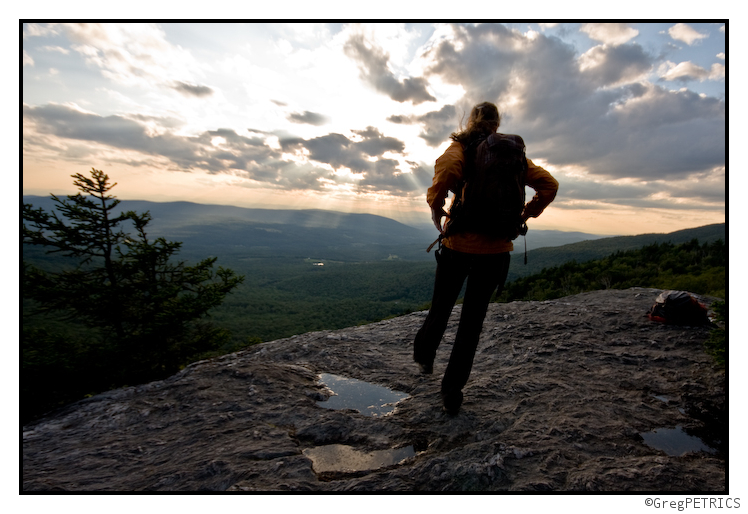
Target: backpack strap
<point x="438" y="240"/>
<point x="468" y="151"/>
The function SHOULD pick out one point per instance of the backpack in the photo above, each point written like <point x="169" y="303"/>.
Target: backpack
<point x="491" y="196"/>
<point x="678" y="308"/>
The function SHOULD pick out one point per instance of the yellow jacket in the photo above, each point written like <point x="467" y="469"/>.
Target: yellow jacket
<point x="448" y="172"/>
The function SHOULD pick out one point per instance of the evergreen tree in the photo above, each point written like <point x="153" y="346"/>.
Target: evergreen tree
<point x="148" y="308"/>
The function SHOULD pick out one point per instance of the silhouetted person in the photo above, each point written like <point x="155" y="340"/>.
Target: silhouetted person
<point x="469" y="253"/>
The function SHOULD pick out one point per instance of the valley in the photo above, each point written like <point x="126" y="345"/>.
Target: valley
<point x="315" y="270"/>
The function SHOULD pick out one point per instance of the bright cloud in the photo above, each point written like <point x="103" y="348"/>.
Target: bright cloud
<point x="686" y="33"/>
<point x="610" y="33"/>
<point x="135" y="55"/>
<point x="686" y="71"/>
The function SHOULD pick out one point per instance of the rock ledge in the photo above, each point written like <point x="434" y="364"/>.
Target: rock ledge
<point x="560" y="394"/>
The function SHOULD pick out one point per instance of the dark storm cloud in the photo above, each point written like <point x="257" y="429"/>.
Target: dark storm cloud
<point x="661" y="134"/>
<point x="379" y="174"/>
<point x="579" y="110"/>
<point x="215" y="151"/>
<point x="337" y="150"/>
<point x="375" y="143"/>
<point x="310" y="118"/>
<point x="436" y="125"/>
<point x="115" y="131"/>
<point x="238" y="152"/>
<point x="642" y="195"/>
<point x="616" y="63"/>
<point x="385" y="177"/>
<point x="223" y="150"/>
<point x="399" y="119"/>
<point x="576" y="189"/>
<point x="193" y="90"/>
<point x="484" y="63"/>
<point x="372" y="62"/>
<point x="162" y="121"/>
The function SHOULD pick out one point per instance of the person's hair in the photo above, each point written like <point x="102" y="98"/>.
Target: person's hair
<point x="484" y="119"/>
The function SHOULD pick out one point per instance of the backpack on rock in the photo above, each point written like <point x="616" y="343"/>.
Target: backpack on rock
<point x="678" y="308"/>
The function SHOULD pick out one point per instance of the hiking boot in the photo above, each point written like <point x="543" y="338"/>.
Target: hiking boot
<point x="451" y="402"/>
<point x="426" y="369"/>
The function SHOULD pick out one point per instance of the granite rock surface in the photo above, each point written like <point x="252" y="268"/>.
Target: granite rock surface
<point x="563" y="396"/>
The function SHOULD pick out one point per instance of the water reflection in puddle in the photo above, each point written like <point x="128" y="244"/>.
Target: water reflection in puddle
<point x="667" y="399"/>
<point x="368" y="399"/>
<point x="674" y="441"/>
<point x="346" y="459"/>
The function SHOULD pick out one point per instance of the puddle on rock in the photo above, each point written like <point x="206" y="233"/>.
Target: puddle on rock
<point x="674" y="441"/>
<point x="341" y="458"/>
<point x="668" y="399"/>
<point x="368" y="399"/>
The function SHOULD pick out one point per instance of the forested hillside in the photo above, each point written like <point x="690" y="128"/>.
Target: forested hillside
<point x="282" y="297"/>
<point x="286" y="292"/>
<point x="692" y="266"/>
<point x="287" y="297"/>
<point x="584" y="251"/>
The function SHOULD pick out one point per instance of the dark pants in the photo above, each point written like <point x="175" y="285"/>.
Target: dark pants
<point x="484" y="274"/>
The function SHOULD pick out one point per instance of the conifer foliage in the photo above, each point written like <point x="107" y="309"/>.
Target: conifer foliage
<point x="148" y="309"/>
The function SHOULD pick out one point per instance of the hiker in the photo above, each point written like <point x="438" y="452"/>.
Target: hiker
<point x="469" y="251"/>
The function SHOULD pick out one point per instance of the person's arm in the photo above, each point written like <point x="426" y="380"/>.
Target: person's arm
<point x="545" y="187"/>
<point x="447" y="173"/>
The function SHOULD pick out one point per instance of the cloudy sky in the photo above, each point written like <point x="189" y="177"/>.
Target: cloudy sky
<point x="630" y="118"/>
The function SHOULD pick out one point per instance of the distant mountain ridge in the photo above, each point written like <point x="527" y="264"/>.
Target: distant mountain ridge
<point x="225" y="230"/>
<point x="228" y="230"/>
<point x="181" y="214"/>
